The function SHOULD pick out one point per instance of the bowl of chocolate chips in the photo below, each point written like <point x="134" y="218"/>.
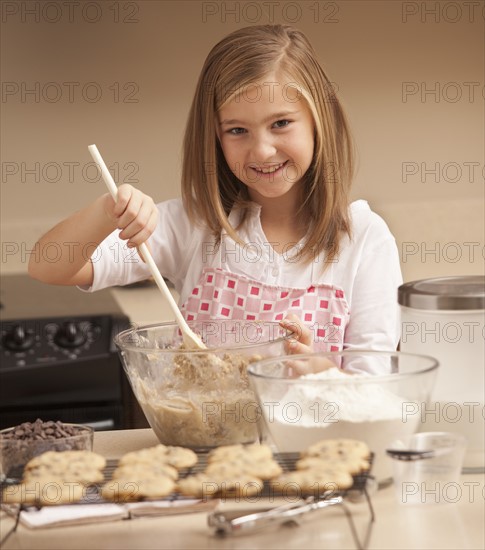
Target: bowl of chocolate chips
<point x="21" y="443"/>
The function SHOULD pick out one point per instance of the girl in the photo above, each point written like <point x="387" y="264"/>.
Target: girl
<point x="264" y="229"/>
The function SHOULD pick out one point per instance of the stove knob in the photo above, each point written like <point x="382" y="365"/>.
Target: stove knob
<point x="69" y="336"/>
<point x="18" y="339"/>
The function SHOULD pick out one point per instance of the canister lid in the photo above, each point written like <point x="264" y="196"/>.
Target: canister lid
<point x="451" y="293"/>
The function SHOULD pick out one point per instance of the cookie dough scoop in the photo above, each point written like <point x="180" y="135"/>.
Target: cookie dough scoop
<point x="191" y="340"/>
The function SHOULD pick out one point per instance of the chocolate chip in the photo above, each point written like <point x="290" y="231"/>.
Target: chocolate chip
<point x="41" y="430"/>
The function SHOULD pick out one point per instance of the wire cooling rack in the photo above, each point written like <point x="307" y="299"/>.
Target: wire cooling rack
<point x="364" y="484"/>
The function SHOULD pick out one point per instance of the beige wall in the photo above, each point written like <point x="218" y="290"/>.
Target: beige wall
<point x="125" y="73"/>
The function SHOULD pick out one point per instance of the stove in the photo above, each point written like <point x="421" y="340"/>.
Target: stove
<point x="57" y="357"/>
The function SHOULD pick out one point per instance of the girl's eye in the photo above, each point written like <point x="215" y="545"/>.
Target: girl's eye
<point x="281" y="123"/>
<point x="236" y="131"/>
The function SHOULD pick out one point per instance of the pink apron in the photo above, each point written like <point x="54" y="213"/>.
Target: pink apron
<point x="220" y="294"/>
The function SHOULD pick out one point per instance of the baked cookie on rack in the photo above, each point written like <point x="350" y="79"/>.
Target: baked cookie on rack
<point x="65" y="466"/>
<point x="137" y="471"/>
<point x="335" y="448"/>
<point x="312" y="481"/>
<point x="129" y="489"/>
<point x="178" y="457"/>
<point x="254" y="451"/>
<point x="43" y="492"/>
<point x="203" y="485"/>
<point x="261" y="469"/>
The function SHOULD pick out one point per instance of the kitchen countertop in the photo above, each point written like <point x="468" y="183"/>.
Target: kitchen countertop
<point x="447" y="525"/>
<point x="144" y="303"/>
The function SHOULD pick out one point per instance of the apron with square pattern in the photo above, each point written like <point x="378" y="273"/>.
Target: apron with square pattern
<point x="220" y="294"/>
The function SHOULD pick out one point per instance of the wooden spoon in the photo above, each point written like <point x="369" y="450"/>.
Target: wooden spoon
<point x="191" y="340"/>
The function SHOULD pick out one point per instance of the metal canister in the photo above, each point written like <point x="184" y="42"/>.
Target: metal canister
<point x="444" y="317"/>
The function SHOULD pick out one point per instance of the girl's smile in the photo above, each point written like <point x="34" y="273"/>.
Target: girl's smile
<point x="266" y="172"/>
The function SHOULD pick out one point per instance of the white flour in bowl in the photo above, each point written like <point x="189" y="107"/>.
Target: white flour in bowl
<point x="366" y="410"/>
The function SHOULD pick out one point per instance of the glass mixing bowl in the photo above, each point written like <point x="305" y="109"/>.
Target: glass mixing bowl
<point x="199" y="398"/>
<point x="17" y="450"/>
<point x="373" y="396"/>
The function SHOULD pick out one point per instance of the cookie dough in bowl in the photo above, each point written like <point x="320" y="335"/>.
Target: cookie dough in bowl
<point x="199" y="398"/>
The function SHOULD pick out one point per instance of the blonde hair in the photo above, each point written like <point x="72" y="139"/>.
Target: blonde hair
<point x="209" y="188"/>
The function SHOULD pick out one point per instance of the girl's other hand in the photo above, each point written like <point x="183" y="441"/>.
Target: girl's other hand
<point x="301" y="340"/>
<point x="133" y="212"/>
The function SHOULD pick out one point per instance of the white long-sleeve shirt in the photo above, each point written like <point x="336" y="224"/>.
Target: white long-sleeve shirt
<point x="367" y="268"/>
